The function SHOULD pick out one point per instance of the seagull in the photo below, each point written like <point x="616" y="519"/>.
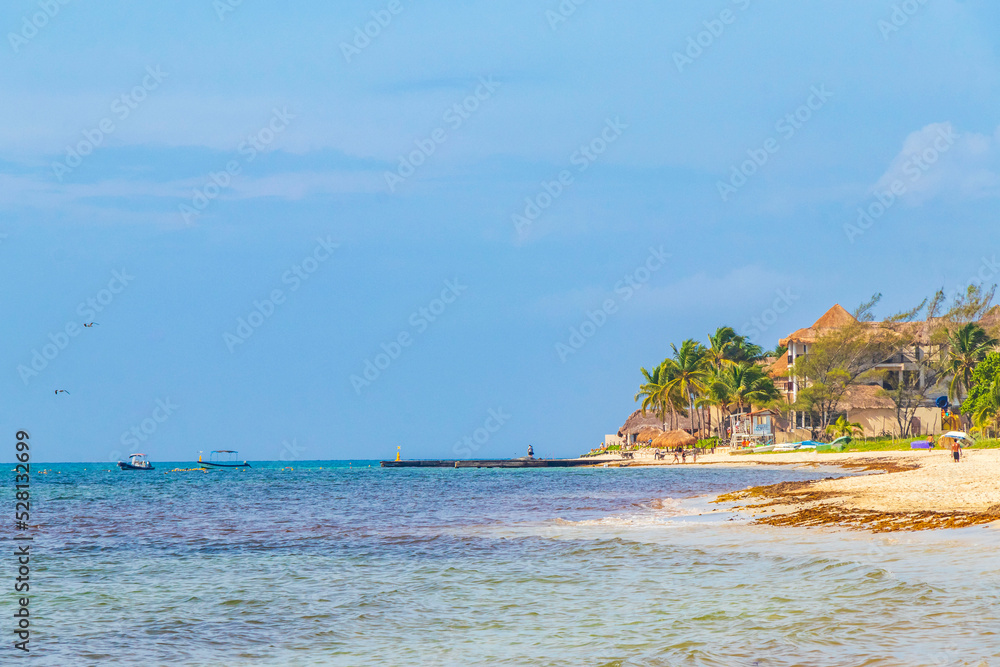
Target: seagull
<point x="62" y="391"/>
<point x="92" y="324"/>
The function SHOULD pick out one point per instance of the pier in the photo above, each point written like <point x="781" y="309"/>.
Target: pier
<point x="493" y="463"/>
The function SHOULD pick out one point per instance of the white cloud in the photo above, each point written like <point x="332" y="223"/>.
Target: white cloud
<point x="938" y="161"/>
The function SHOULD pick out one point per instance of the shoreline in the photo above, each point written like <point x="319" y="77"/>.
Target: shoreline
<point x="903" y="490"/>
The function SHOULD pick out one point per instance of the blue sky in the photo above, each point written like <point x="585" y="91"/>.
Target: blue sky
<point x="249" y="157"/>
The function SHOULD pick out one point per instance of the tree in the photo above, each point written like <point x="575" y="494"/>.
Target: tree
<point x="922" y="362"/>
<point x="742" y="386"/>
<point x="987" y="414"/>
<point x="909" y="393"/>
<point x="652" y="392"/>
<point x="966" y="348"/>
<point x="742" y="350"/>
<point x="718" y="354"/>
<point x="984" y="376"/>
<point x="687" y="371"/>
<point x="969" y="306"/>
<point x="778" y="352"/>
<point x="839" y="358"/>
<point x="726" y="347"/>
<point x="658" y="395"/>
<point x="866" y="311"/>
<point x="842" y="427"/>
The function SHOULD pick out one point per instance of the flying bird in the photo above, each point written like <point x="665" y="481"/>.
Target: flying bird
<point x="92" y="324"/>
<point x="58" y="391"/>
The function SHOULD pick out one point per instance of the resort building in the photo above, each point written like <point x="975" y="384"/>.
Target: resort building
<point x="865" y="403"/>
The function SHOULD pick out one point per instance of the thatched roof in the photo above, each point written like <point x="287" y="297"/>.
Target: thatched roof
<point x="864" y="397"/>
<point x="779" y="368"/>
<point x="648" y="434"/>
<point x="672" y="439"/>
<point x="834" y="318"/>
<point x="638" y="422"/>
<point x="837" y="317"/>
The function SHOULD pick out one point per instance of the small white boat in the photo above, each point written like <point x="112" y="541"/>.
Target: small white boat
<point x="136" y="462"/>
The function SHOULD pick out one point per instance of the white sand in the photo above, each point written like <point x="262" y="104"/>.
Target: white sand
<point x="939" y="484"/>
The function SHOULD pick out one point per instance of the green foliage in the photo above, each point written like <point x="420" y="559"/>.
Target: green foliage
<point x="842" y="427"/>
<point x="707" y="443"/>
<point x="985" y="374"/>
<point x="777" y="352"/>
<point x="967" y="346"/>
<point x="889" y="444"/>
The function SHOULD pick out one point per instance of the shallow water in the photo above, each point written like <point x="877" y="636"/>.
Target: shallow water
<point x="330" y="564"/>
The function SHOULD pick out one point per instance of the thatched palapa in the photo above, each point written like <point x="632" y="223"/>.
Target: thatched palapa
<point x="672" y="439"/>
<point x="648" y="434"/>
<point x="638" y="422"/>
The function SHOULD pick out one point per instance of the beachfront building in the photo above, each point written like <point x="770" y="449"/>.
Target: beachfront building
<point x="756" y="427"/>
<point x="864" y="403"/>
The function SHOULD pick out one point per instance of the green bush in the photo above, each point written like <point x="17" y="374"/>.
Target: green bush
<point x="985" y="373"/>
<point x="707" y="443"/>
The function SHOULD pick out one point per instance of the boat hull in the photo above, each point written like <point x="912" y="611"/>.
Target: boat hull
<point x="224" y="465"/>
<point x="129" y="466"/>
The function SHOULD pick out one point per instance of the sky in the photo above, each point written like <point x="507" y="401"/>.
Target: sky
<point x="328" y="230"/>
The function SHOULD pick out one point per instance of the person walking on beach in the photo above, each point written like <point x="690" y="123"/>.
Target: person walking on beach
<point x="677" y="455"/>
<point x="956" y="449"/>
<point x="684" y="456"/>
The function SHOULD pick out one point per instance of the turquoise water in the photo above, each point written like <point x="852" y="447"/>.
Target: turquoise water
<point x="334" y="565"/>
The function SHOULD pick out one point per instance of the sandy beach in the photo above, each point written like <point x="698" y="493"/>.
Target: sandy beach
<point x="901" y="490"/>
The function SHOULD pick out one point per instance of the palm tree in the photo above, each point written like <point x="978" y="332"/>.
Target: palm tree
<point x="743" y="350"/>
<point x="966" y="348"/>
<point x="988" y="412"/>
<point x="726" y="347"/>
<point x="717" y="395"/>
<point x="717" y="354"/>
<point x="653" y="392"/>
<point x="687" y="371"/>
<point x="744" y="385"/>
<point x="842" y="427"/>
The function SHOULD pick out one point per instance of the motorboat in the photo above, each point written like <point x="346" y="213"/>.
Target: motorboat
<point x="136" y="462"/>
<point x="223" y="458"/>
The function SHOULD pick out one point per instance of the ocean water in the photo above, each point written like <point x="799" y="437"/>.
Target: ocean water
<point x="337" y="563"/>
